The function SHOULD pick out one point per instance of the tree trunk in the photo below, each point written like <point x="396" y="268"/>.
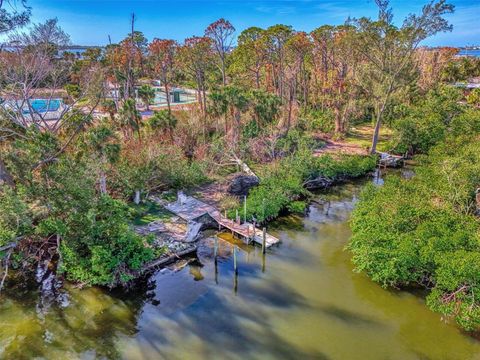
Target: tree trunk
<point x="338" y="122"/>
<point x="5" y="177"/>
<point x="237" y="117"/>
<point x="204" y="93"/>
<point x="245" y="168"/>
<point x="376" y="133"/>
<point x="167" y="94"/>
<point x="378" y="123"/>
<point x="136" y="199"/>
<point x="199" y="90"/>
<point x="224" y="80"/>
<point x="290" y="106"/>
<point x="103" y="183"/>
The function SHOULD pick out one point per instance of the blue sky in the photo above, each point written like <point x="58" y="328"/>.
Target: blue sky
<point x="89" y="22"/>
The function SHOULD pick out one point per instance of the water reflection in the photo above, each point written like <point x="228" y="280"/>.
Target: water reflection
<point x="300" y="300"/>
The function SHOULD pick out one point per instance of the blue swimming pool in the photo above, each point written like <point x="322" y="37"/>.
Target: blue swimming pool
<point x="43" y="105"/>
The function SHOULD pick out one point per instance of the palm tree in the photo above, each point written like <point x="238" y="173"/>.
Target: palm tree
<point x="163" y="121"/>
<point x="265" y="106"/>
<point x="110" y="107"/>
<point x="105" y="149"/>
<point x="130" y="117"/>
<point x="147" y="94"/>
<point x="218" y="107"/>
<point x="238" y="102"/>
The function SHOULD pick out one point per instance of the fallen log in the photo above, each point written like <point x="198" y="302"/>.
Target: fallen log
<point x="155" y="264"/>
<point x="389" y="160"/>
<point x="319" y="182"/>
<point x="8" y="246"/>
<point x="245" y="168"/>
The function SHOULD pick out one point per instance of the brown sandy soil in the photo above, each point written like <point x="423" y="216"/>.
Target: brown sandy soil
<point x="339" y="147"/>
<point x="356" y="142"/>
<point x="213" y="193"/>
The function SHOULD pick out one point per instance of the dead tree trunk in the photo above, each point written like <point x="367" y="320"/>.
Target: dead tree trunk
<point x="5" y="177"/>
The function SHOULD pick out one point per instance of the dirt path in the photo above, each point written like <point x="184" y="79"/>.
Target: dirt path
<point x="339" y="147"/>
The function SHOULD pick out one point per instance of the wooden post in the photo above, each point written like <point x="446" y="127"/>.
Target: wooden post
<point x="245" y="208"/>
<point x="215" y="248"/>
<point x="264" y="240"/>
<point x="237" y="218"/>
<point x="235" y="259"/>
<point x="263" y="262"/>
<point x="235" y="283"/>
<point x="225" y="214"/>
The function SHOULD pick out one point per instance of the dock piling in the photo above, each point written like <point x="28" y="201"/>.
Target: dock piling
<point x="245" y="208"/>
<point x="235" y="283"/>
<point x="264" y="240"/>
<point x="263" y="262"/>
<point x="235" y="269"/>
<point x="192" y="209"/>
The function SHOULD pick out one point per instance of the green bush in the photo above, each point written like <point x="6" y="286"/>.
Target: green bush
<point x="422" y="231"/>
<point x="96" y="244"/>
<point x="107" y="251"/>
<point x="292" y="142"/>
<point x="73" y="90"/>
<point x="343" y="166"/>
<point x="250" y="130"/>
<point x="282" y="188"/>
<point x="429" y="122"/>
<point x="317" y="120"/>
<point x="15" y="219"/>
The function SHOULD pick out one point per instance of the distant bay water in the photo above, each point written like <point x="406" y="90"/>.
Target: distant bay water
<point x="80" y="50"/>
<point x="475" y="53"/>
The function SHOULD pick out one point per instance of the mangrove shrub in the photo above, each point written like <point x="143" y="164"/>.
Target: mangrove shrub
<point x="424" y="232"/>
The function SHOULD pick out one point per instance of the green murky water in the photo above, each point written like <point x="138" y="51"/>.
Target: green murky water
<point x="303" y="302"/>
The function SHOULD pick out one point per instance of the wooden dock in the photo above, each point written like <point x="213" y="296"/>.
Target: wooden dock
<point x="192" y="209"/>
<point x="247" y="231"/>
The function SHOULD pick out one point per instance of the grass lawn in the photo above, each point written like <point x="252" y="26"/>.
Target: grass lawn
<point x="361" y="135"/>
<point x="147" y="212"/>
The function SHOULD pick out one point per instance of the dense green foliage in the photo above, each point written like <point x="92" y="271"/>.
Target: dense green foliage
<point x="461" y="70"/>
<point x="428" y="122"/>
<point x="283" y="186"/>
<point x="423" y="231"/>
<point x="14" y="217"/>
<point x="65" y="183"/>
<point x="99" y="247"/>
<point x="76" y="200"/>
<point x="147" y="94"/>
<point x="317" y="120"/>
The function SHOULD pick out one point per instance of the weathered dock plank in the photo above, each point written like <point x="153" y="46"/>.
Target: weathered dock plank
<point x="191" y="209"/>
